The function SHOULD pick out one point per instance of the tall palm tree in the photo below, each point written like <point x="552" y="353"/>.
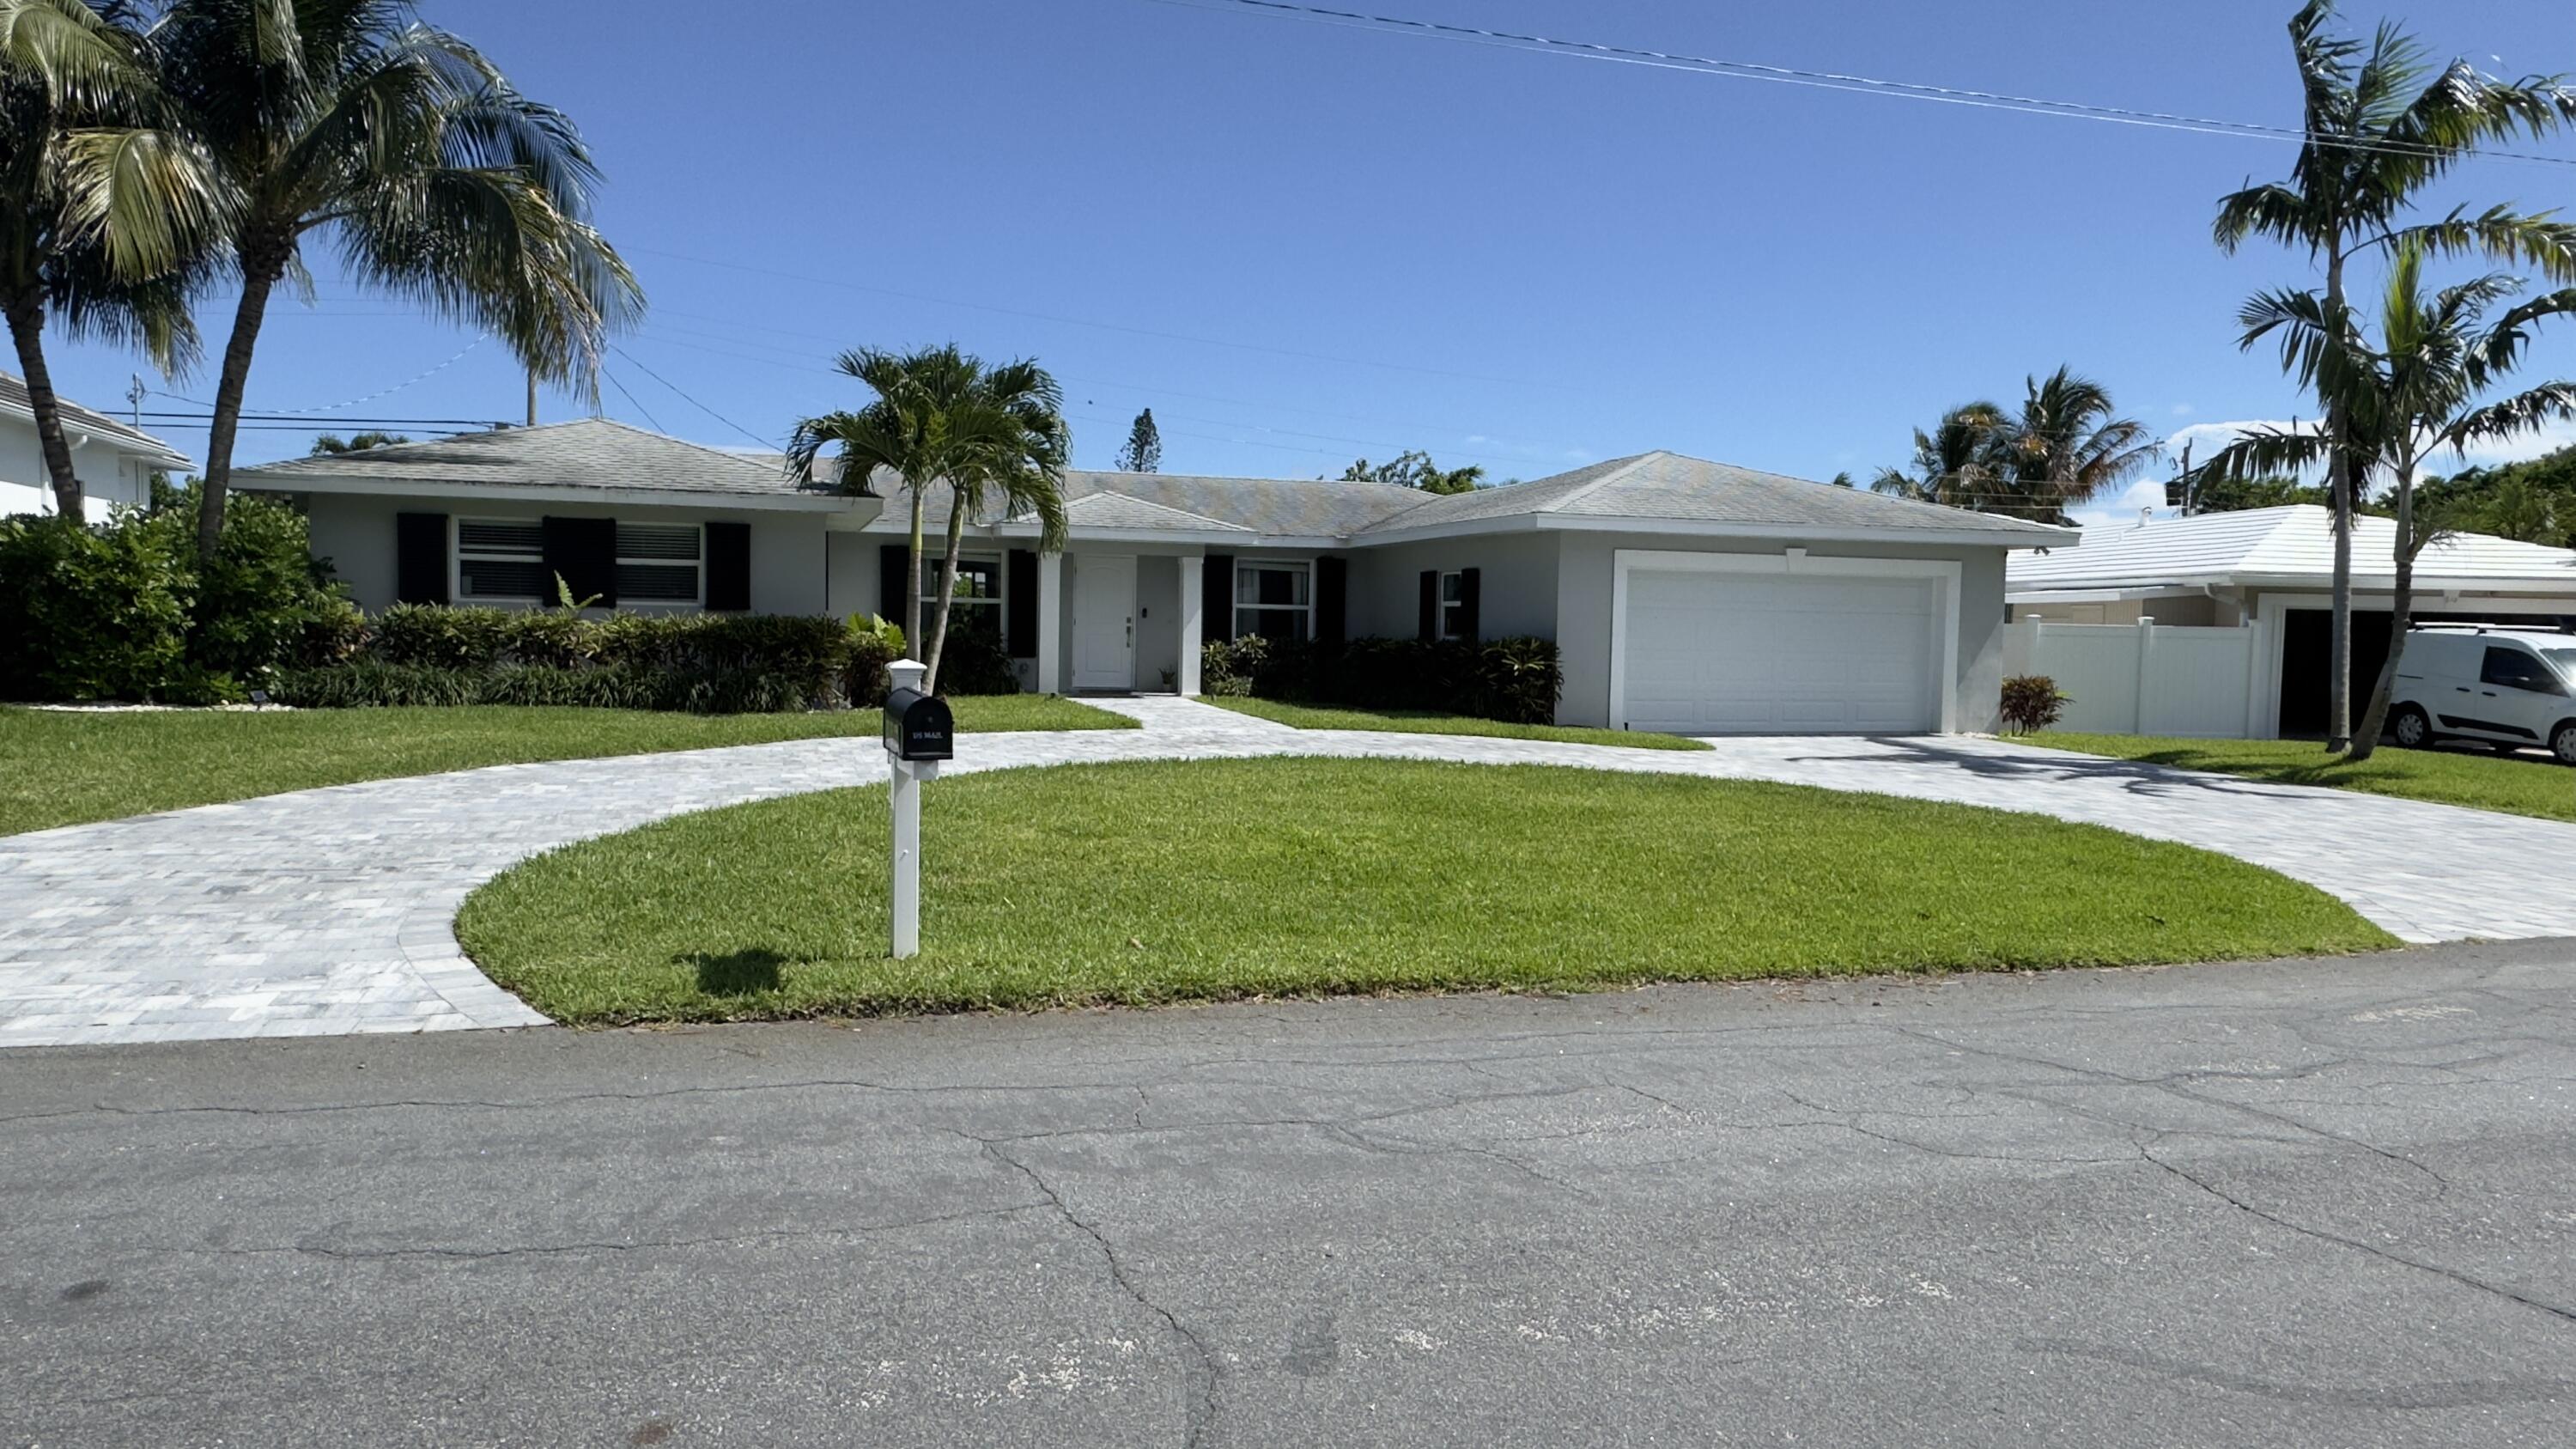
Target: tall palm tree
<point x="1954" y="463"/>
<point x="2409" y="396"/>
<point x="2067" y="448"/>
<point x="2377" y="133"/>
<point x="101" y="208"/>
<point x="409" y="152"/>
<point x="995" y="436"/>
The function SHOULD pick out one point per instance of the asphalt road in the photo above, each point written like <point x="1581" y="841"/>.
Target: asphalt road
<point x="2319" y="1203"/>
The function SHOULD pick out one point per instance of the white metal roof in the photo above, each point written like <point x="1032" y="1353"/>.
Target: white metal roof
<point x="2287" y="547"/>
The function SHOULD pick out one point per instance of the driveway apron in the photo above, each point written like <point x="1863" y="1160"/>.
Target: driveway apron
<point x="330" y="911"/>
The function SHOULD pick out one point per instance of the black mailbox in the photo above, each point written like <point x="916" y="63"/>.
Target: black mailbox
<point x="917" y="726"/>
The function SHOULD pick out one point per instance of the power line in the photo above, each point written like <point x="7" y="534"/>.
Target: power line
<point x="693" y="402"/>
<point x="1819" y="80"/>
<point x="630" y="397"/>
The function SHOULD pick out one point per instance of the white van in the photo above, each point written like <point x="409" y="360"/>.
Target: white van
<point x="2495" y="685"/>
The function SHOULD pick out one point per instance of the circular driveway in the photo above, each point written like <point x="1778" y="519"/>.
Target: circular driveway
<point x="328" y="911"/>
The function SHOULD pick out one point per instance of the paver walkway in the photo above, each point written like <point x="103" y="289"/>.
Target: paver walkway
<point x="328" y="911"/>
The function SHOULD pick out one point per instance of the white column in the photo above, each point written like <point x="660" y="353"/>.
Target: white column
<point x="2146" y="663"/>
<point x="1193" y="628"/>
<point x="1050" y="623"/>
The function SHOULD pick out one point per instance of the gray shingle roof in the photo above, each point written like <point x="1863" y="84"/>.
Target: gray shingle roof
<point x="1124" y="511"/>
<point x="13" y="398"/>
<point x="589" y="453"/>
<point x="1667" y="487"/>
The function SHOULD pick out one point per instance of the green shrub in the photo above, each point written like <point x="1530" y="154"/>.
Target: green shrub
<point x="261" y="602"/>
<point x="440" y="636"/>
<point x="972" y="661"/>
<point x="874" y="643"/>
<point x="363" y="683"/>
<point x="1515" y="679"/>
<point x="2032" y="702"/>
<point x="91" y="613"/>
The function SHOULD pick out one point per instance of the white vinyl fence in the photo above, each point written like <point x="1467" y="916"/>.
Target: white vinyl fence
<point x="2143" y="678"/>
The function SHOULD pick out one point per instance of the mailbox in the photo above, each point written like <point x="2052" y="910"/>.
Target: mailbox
<point x="917" y="726"/>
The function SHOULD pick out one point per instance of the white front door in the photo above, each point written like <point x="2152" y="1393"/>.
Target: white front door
<point x="1104" y="621"/>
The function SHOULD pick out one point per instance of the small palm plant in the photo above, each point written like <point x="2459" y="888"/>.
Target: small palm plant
<point x="994" y="436"/>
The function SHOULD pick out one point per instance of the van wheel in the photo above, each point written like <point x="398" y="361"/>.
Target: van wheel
<point x="2562" y="742"/>
<point x="2410" y="727"/>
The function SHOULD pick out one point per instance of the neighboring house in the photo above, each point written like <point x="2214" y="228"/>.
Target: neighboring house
<point x="114" y="462"/>
<point x="1682" y="595"/>
<point x="2267" y="576"/>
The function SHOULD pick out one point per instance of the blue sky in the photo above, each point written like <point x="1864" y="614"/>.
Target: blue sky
<point x="1300" y="243"/>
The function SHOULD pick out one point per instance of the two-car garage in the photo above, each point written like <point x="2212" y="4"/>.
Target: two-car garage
<point x="1783" y="644"/>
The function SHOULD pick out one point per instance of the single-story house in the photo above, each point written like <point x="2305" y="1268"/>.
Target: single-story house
<point x="2271" y="571"/>
<point x="114" y="462"/>
<point x="1682" y="595"/>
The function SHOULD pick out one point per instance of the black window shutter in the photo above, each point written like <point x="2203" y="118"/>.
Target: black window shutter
<point x="894" y="575"/>
<point x="420" y="558"/>
<point x="1332" y="591"/>
<point x="1471" y="604"/>
<point x="583" y="553"/>
<point x="1216" y="598"/>
<point x="728" y="567"/>
<point x="1020" y="585"/>
<point x="1430" y="630"/>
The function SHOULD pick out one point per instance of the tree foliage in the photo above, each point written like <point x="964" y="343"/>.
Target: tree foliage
<point x="1415" y="470"/>
<point x="1143" y="452"/>
<point x="329" y="444"/>
<point x="2064" y="447"/>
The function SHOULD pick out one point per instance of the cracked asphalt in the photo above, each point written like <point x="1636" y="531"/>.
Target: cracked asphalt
<point x="2297" y="1203"/>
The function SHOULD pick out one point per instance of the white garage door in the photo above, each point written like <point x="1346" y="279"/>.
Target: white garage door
<point x="1723" y="653"/>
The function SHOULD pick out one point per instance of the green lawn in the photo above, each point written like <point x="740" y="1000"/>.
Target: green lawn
<point x="1153" y="882"/>
<point x="1424" y="722"/>
<point x="65" y="767"/>
<point x="2452" y="777"/>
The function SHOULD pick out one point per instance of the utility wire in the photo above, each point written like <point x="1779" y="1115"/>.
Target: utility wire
<point x="630" y="397"/>
<point x="1819" y="80"/>
<point x="693" y="402"/>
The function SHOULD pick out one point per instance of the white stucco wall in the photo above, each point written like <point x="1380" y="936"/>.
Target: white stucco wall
<point x="1584" y="575"/>
<point x="356" y="534"/>
<point x="1516" y="584"/>
<point x="107" y="477"/>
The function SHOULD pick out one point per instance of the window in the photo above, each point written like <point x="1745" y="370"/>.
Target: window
<point x="660" y="563"/>
<point x="2513" y="669"/>
<point x="502" y="561"/>
<point x="977" y="604"/>
<point x="1453" y="606"/>
<point x="2565" y="659"/>
<point x="1274" y="600"/>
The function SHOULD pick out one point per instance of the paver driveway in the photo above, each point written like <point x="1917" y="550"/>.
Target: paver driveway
<point x="328" y="911"/>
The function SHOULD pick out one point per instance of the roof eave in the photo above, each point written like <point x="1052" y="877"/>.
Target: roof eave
<point x="254" y="480"/>
<point x="2028" y="536"/>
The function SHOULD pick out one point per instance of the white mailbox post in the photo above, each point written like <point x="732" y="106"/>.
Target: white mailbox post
<point x="918" y="735"/>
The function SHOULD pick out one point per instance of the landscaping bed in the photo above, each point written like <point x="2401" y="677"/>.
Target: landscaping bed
<point x="1157" y="882"/>
<point x="1427" y="722"/>
<point x="2476" y="779"/>
<point x="70" y="767"/>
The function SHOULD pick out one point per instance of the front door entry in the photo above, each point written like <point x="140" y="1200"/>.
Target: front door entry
<point x="1104" y="621"/>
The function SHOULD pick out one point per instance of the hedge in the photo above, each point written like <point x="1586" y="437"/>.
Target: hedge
<point x="1515" y="679"/>
<point x="704" y="663"/>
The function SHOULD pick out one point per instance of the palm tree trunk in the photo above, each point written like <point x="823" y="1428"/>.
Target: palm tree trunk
<point x="262" y="265"/>
<point x="2339" y="491"/>
<point x="947" y="591"/>
<point x="912" y="595"/>
<point x="2401" y="614"/>
<point x="26" y="313"/>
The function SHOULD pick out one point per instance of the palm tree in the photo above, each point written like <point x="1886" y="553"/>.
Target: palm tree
<point x="100" y="208"/>
<point x="2377" y="133"/>
<point x="2067" y="448"/>
<point x="1954" y="463"/>
<point x="2411" y="396"/>
<point x="995" y="436"/>
<point x="429" y="174"/>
